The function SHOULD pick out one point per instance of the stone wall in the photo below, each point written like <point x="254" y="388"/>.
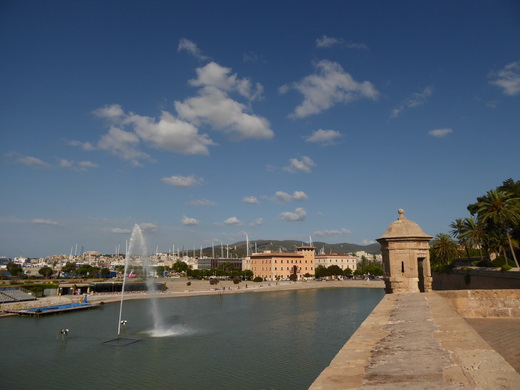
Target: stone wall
<point x="477" y="279"/>
<point x="485" y="303"/>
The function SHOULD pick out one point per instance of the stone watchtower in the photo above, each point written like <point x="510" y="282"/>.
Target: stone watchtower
<point x="406" y="257"/>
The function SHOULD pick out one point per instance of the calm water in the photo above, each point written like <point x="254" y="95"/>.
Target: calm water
<point x="278" y="340"/>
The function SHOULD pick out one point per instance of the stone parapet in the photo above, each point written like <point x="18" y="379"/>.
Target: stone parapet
<point x="484" y="303"/>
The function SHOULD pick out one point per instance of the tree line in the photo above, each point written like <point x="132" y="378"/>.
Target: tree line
<point x="491" y="231"/>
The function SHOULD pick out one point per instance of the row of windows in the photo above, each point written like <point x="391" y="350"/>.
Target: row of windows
<point x="281" y="261"/>
<point x="282" y="268"/>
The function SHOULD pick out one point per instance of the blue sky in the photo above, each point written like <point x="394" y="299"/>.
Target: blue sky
<point x="203" y="120"/>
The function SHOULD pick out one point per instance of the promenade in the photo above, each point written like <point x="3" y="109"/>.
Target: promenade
<point x="417" y="341"/>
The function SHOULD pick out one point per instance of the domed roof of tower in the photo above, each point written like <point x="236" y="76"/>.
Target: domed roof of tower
<point x="404" y="228"/>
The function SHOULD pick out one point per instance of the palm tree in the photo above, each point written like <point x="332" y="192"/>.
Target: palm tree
<point x="444" y="249"/>
<point x="457" y="231"/>
<point x="473" y="234"/>
<point x="502" y="209"/>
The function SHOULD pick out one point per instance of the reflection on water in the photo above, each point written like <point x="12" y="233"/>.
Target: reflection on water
<point x="269" y="340"/>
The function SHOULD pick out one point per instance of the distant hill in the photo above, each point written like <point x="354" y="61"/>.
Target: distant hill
<point x="238" y="249"/>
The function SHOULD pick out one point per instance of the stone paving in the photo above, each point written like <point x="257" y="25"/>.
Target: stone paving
<point x="503" y="335"/>
<point x="417" y="341"/>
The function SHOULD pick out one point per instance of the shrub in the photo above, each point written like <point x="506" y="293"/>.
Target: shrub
<point x="293" y="277"/>
<point x="188" y="284"/>
<point x="213" y="281"/>
<point x="236" y="281"/>
<point x="258" y="279"/>
<point x="505" y="267"/>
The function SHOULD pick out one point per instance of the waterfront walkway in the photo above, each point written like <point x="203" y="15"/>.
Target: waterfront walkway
<point x="418" y="341"/>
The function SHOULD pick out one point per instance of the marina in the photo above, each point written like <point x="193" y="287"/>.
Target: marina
<point x="54" y="309"/>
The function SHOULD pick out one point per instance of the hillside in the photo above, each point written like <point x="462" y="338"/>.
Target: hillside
<point x="238" y="249"/>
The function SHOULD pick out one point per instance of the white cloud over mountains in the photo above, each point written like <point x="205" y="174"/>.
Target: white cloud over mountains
<point x="330" y="233"/>
<point x="328" y="86"/>
<point x="297" y="216"/>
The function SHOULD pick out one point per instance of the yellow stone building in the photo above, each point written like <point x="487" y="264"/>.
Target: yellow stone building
<point x="275" y="266"/>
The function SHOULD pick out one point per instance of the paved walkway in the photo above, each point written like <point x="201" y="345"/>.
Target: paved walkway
<point x="417" y="341"/>
<point x="503" y="335"/>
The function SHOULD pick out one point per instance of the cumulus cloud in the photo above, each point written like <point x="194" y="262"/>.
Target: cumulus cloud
<point x="328" y="86"/>
<point x="232" y="221"/>
<point x="121" y="231"/>
<point x="189" y="221"/>
<point x="250" y="200"/>
<point x="298" y="215"/>
<point x="330" y="233"/>
<point x="31" y="161"/>
<point x="414" y="100"/>
<point x="215" y="75"/>
<point x="299" y="195"/>
<point x="87" y="164"/>
<point x="202" y="202"/>
<point x="508" y="79"/>
<point x="283" y="196"/>
<point x="190" y="47"/>
<point x="183" y="181"/>
<point x="439" y="133"/>
<point x="323" y="137"/>
<point x="327" y="42"/>
<point x="303" y="165"/>
<point x="257" y="222"/>
<point x="47" y="222"/>
<point x="214" y="107"/>
<point x="79" y="166"/>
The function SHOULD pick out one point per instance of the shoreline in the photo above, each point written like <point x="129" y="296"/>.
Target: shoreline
<point x="178" y="288"/>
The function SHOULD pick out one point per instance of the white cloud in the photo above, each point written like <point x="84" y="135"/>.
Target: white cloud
<point x="283" y="196"/>
<point x="232" y="221"/>
<point x="257" y="222"/>
<point x="299" y="195"/>
<point x="147" y="227"/>
<point x="65" y="163"/>
<point x="214" y="75"/>
<point x="189" y="221"/>
<point x="327" y="42"/>
<point x="440" y="132"/>
<point x="32" y="161"/>
<point x="87" y="164"/>
<point x="121" y="231"/>
<point x="214" y="107"/>
<point x="414" y="100"/>
<point x="508" y="79"/>
<point x="83" y="145"/>
<point x="183" y="181"/>
<point x="122" y="144"/>
<point x="190" y="47"/>
<point x="298" y="215"/>
<point x="250" y="200"/>
<point x="367" y="242"/>
<point x="303" y="165"/>
<point x="202" y="202"/>
<point x="330" y="233"/>
<point x="328" y="86"/>
<point x="323" y="137"/>
<point x="46" y="222"/>
<point x="170" y="134"/>
<point x="113" y="112"/>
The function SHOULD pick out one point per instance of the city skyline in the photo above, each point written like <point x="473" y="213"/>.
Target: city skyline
<point x="204" y="121"/>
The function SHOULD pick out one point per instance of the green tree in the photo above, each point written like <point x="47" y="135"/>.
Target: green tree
<point x="46" y="271"/>
<point x="457" y="230"/>
<point x="321" y="271"/>
<point x="180" y="266"/>
<point x="14" y="269"/>
<point x="444" y="249"/>
<point x="105" y="272"/>
<point x="69" y="267"/>
<point x="347" y="271"/>
<point x="473" y="234"/>
<point x="334" y="270"/>
<point x="501" y="209"/>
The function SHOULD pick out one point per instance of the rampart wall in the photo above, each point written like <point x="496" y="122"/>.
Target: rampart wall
<point x="484" y="303"/>
<point x="476" y="279"/>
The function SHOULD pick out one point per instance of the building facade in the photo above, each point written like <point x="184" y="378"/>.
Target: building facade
<point x="276" y="266"/>
<point x="342" y="261"/>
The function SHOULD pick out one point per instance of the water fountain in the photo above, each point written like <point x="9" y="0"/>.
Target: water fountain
<point x="137" y="250"/>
